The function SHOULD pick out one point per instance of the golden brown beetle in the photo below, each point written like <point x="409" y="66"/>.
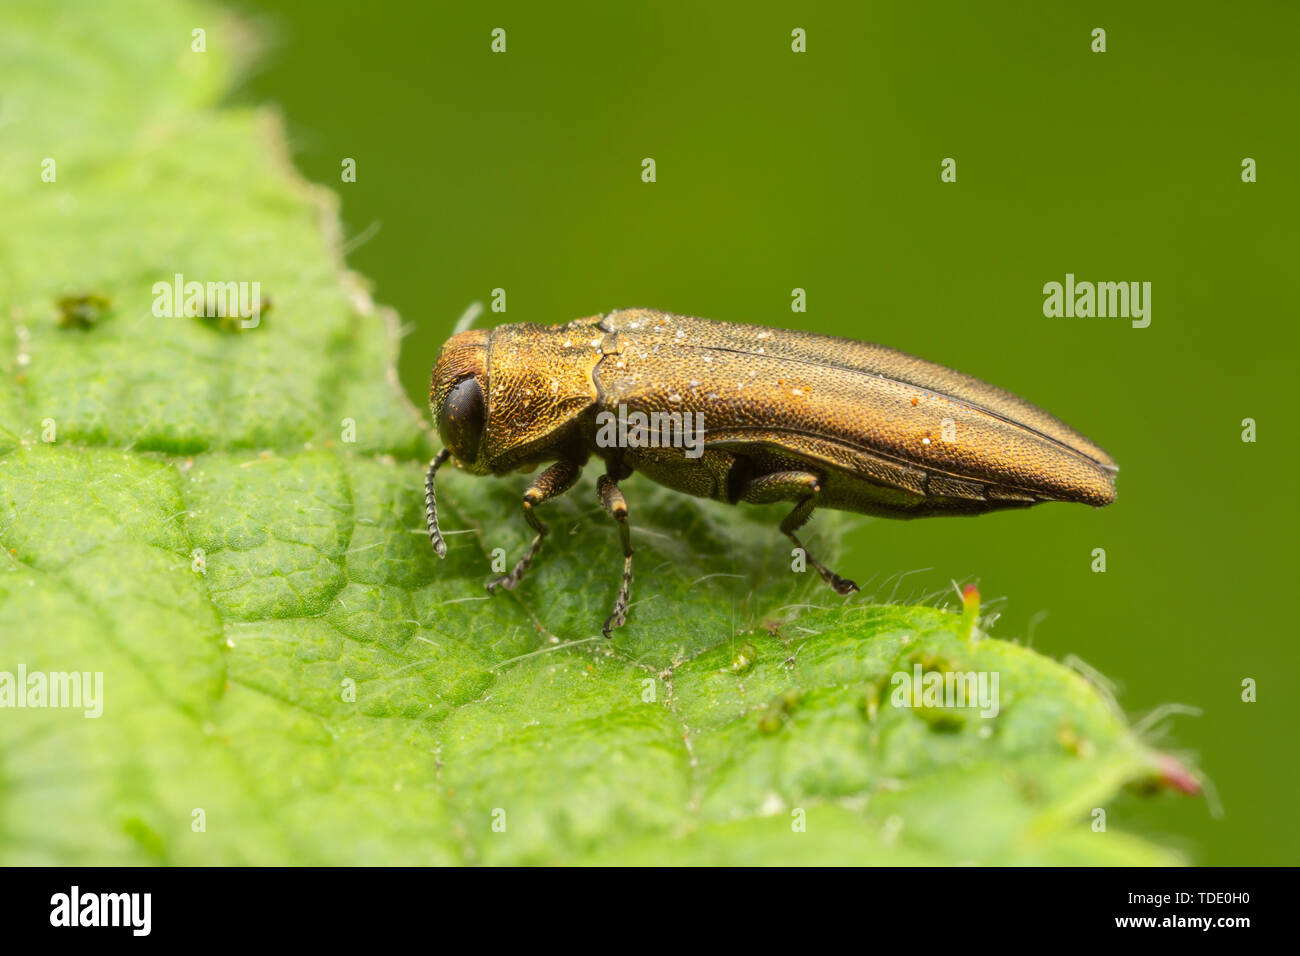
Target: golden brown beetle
<point x="780" y="416"/>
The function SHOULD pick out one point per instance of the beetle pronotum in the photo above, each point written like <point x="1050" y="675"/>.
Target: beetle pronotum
<point x="815" y="420"/>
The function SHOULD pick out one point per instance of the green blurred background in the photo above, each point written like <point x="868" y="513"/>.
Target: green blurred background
<point x="821" y="170"/>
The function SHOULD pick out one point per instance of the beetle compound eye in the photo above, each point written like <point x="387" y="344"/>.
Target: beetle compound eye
<point x="460" y="421"/>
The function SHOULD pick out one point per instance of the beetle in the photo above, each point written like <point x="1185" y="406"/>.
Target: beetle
<point x="815" y="420"/>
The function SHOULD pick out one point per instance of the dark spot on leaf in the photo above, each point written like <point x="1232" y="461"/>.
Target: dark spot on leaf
<point x="236" y="320"/>
<point x="82" y="311"/>
<point x="947" y="720"/>
<point x="778" y="711"/>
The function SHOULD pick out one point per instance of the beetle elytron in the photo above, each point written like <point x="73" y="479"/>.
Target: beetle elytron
<point x="816" y="420"/>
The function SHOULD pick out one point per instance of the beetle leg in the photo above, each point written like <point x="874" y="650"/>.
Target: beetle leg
<point x="611" y="496"/>
<point x="803" y="487"/>
<point x="551" y="483"/>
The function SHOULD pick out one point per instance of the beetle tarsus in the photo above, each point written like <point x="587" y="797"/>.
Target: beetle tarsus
<point x="619" y="614"/>
<point x="509" y="581"/>
<point x="611" y="498"/>
<point x="843" y="585"/>
<point x="838" y="584"/>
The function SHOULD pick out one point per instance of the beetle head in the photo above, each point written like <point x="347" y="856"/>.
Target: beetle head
<point x="458" y="397"/>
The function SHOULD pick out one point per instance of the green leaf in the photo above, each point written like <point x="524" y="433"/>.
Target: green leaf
<point x="291" y="676"/>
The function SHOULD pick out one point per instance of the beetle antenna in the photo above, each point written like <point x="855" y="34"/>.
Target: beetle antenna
<point x="431" y="505"/>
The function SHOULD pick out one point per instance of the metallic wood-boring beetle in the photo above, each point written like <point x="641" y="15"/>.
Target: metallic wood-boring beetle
<point x="816" y="420"/>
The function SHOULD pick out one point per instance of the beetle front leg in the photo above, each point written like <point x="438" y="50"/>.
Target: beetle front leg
<point x="803" y="487"/>
<point x="553" y="482"/>
<point x="611" y="497"/>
